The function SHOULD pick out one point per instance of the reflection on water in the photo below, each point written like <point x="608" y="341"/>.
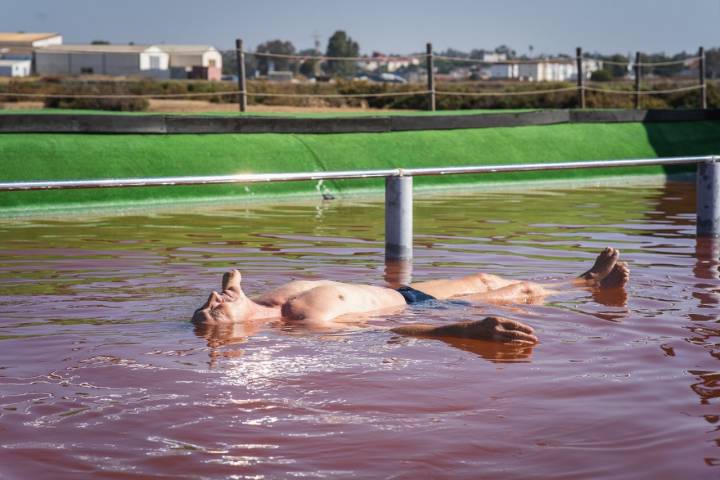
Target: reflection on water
<point x="101" y="372"/>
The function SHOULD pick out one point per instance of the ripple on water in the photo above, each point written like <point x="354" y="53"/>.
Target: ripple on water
<point x="101" y="373"/>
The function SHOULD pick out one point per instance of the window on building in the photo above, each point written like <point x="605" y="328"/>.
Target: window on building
<point x="87" y="70"/>
<point x="154" y="62"/>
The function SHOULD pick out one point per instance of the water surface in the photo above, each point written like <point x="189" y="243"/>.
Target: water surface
<point x="102" y="376"/>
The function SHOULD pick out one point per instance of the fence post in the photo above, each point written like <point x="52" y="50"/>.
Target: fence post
<point x="240" y="56"/>
<point x="398" y="218"/>
<point x="708" y="199"/>
<point x="638" y="70"/>
<point x="701" y="73"/>
<point x="580" y="78"/>
<point x="430" y="65"/>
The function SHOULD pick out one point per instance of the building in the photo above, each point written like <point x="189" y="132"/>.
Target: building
<point x="547" y="70"/>
<point x="504" y="71"/>
<point x="491" y="57"/>
<point x="380" y="62"/>
<point x="194" y="61"/>
<point x="22" y="45"/>
<point x="15" y="67"/>
<point x="116" y="60"/>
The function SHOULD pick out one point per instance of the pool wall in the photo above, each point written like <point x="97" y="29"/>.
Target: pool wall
<point x="62" y="156"/>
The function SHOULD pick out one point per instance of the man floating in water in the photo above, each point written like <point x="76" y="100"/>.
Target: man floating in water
<point x="323" y="303"/>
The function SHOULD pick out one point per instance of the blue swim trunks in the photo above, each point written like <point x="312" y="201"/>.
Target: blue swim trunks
<point x="416" y="297"/>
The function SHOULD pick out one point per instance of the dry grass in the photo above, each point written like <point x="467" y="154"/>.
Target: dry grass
<point x="201" y="106"/>
<point x="21" y="105"/>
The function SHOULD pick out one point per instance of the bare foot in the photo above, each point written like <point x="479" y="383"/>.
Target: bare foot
<point x="604" y="264"/>
<point x="618" y="276"/>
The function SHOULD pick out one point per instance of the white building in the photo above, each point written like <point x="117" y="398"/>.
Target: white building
<point x="590" y="65"/>
<point x="117" y="60"/>
<point x="15" y="68"/>
<point x="387" y="63"/>
<point x="504" y="71"/>
<point x="187" y="58"/>
<point x="492" y="57"/>
<point x="551" y="70"/>
<point x="547" y="71"/>
<point x="21" y="45"/>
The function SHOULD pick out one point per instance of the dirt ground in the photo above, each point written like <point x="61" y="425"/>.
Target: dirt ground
<point x="21" y="105"/>
<point x="200" y="106"/>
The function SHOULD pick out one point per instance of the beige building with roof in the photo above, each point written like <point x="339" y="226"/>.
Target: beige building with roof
<point x="194" y="61"/>
<point x="15" y="45"/>
<point x="192" y="55"/>
<point x="157" y="61"/>
<point x="115" y="60"/>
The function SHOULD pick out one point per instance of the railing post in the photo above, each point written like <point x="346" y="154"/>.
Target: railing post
<point x="398" y="272"/>
<point x="638" y="70"/>
<point x="430" y="65"/>
<point x="240" y="56"/>
<point x="708" y="199"/>
<point x="398" y="218"/>
<point x="580" y="78"/>
<point x="701" y="74"/>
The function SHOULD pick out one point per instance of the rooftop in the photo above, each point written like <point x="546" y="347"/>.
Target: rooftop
<point x="77" y="48"/>
<point x="184" y="48"/>
<point x="11" y="37"/>
<point x="95" y="48"/>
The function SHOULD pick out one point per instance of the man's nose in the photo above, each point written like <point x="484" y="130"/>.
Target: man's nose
<point x="214" y="299"/>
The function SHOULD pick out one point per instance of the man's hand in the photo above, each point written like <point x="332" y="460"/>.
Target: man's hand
<point x="495" y="329"/>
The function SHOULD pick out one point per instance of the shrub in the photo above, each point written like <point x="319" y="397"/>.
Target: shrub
<point x="601" y="76"/>
<point x="120" y="104"/>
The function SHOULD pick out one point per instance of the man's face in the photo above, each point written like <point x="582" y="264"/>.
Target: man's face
<point x="229" y="306"/>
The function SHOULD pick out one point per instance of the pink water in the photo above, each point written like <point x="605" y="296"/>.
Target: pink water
<point x="102" y="376"/>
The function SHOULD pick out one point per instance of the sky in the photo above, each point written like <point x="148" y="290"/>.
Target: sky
<point x="388" y="26"/>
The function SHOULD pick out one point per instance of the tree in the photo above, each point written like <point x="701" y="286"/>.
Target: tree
<point x="478" y="53"/>
<point x="619" y="67"/>
<point x="712" y="63"/>
<point x="230" y="67"/>
<point x="99" y="42"/>
<point x="444" y="65"/>
<point x="664" y="70"/>
<point x="266" y="64"/>
<point x="341" y="45"/>
<point x="506" y="50"/>
<point x="310" y="67"/>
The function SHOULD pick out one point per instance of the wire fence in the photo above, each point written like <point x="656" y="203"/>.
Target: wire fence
<point x="479" y="61"/>
<point x="221" y="93"/>
<point x="242" y="92"/>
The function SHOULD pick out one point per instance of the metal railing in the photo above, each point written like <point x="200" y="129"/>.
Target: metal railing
<point x="343" y="175"/>
<point x="398" y="188"/>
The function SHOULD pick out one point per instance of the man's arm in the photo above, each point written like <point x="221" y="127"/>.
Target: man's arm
<point x="495" y="329"/>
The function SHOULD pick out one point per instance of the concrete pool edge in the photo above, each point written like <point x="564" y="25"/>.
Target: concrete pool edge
<point x="152" y="123"/>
